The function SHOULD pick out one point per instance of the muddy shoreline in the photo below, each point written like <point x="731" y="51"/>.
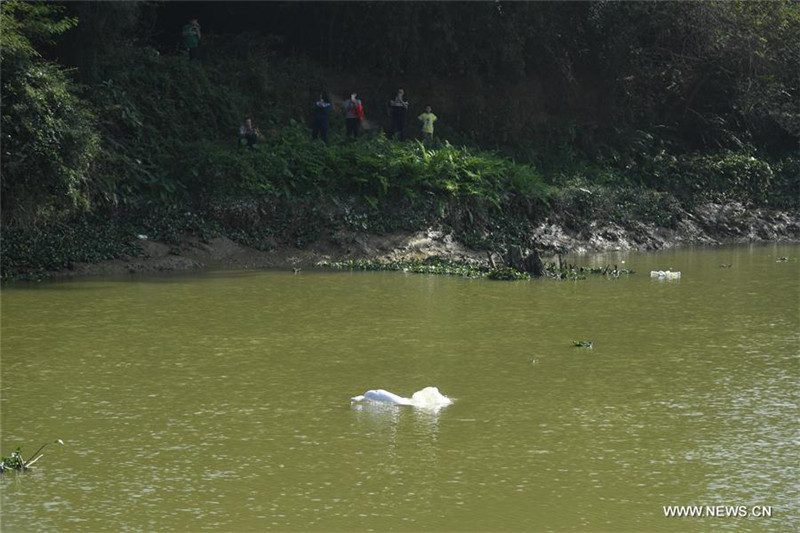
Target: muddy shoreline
<point x="708" y="224"/>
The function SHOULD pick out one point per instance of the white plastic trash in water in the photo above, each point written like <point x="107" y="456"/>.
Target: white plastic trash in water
<point x="665" y="274"/>
<point x="427" y="398"/>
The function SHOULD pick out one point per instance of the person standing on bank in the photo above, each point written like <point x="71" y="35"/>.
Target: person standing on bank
<point x="191" y="38"/>
<point x="427" y="119"/>
<point x="319" y="124"/>
<point x="353" y="114"/>
<point x="397" y="111"/>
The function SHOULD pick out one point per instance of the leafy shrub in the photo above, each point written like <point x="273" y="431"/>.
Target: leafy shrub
<point x="582" y="203"/>
<point x="784" y="191"/>
<point x="722" y="175"/>
<point x="49" y="140"/>
<point x="29" y="253"/>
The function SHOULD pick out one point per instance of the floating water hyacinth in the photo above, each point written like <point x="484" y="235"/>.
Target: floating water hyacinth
<point x="433" y="265"/>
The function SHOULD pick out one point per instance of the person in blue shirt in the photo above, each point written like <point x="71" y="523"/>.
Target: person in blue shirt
<point x="319" y="122"/>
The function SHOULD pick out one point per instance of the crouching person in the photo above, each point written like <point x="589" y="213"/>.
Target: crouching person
<point x="248" y="134"/>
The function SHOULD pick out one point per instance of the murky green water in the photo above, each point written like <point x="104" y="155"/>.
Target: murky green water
<point x="221" y="401"/>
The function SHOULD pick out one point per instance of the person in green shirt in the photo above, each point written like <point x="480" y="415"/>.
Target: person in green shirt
<point x="427" y="119"/>
<point x="191" y="38"/>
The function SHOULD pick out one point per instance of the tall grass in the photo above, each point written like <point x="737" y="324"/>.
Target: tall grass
<point x="291" y="165"/>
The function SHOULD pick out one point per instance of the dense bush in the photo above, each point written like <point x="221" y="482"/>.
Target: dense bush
<point x="49" y="139"/>
<point x="784" y="192"/>
<point x="578" y="204"/>
<point x="30" y="253"/>
<point x="724" y="175"/>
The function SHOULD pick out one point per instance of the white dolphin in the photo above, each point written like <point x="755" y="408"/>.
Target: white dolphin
<point x="429" y="397"/>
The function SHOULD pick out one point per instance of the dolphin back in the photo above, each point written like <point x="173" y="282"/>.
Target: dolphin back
<point x="429" y="398"/>
<point x="380" y="395"/>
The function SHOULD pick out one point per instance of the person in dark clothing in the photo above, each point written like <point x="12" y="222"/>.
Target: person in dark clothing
<point x="191" y="38"/>
<point x="353" y="114"/>
<point x="397" y="111"/>
<point x="248" y="134"/>
<point x="319" y="123"/>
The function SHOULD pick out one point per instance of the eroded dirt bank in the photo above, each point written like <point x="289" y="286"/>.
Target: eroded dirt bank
<point x="708" y="224"/>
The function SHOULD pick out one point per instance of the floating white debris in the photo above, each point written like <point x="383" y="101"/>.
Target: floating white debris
<point x="142" y="237"/>
<point x="665" y="274"/>
<point x="427" y="398"/>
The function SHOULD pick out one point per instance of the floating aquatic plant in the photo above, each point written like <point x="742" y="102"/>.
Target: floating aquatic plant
<point x="432" y="265"/>
<point x="13" y="461"/>
<point x="449" y="267"/>
<point x="507" y="274"/>
<point x="572" y="272"/>
<point x="16" y="461"/>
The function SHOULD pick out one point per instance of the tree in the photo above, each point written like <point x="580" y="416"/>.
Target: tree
<point x="48" y="139"/>
<point x="712" y="74"/>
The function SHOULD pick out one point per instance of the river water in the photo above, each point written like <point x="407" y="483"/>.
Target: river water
<point x="220" y="401"/>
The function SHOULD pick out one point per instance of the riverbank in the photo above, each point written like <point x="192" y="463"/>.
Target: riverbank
<point x="707" y="224"/>
<point x="146" y="146"/>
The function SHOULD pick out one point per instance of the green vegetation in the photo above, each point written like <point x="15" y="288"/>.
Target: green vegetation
<point x="507" y="274"/>
<point x="138" y="140"/>
<point x="449" y="267"/>
<point x="13" y="461"/>
<point x="434" y="265"/>
<point x="16" y="461"/>
<point x="49" y="140"/>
